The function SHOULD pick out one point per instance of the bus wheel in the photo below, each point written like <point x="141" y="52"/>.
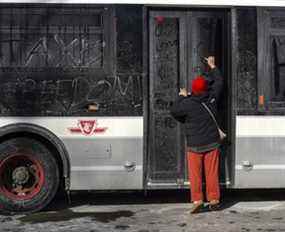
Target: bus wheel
<point x="29" y="175"/>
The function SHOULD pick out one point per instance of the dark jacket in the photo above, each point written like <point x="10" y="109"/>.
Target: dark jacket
<point x="200" y="129"/>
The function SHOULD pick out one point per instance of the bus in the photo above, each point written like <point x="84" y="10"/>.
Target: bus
<point x="86" y="86"/>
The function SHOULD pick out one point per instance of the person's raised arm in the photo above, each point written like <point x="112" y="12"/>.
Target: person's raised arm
<point x="177" y="110"/>
<point x="216" y="78"/>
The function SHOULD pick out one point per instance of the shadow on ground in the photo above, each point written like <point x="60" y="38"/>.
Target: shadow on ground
<point x="59" y="209"/>
<point x="229" y="197"/>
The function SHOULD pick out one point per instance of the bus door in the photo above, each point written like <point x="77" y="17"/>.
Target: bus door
<point x="178" y="42"/>
<point x="208" y="34"/>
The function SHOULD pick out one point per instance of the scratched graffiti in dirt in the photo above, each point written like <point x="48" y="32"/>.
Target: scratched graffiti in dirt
<point x="113" y="94"/>
<point x="54" y="51"/>
<point x="247" y="60"/>
<point x="204" y="40"/>
<point x="165" y="82"/>
<point x="57" y="61"/>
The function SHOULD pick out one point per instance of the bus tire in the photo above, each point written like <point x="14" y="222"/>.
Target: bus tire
<point x="29" y="175"/>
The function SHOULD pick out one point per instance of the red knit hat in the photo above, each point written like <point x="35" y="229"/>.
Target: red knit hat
<point x="199" y="85"/>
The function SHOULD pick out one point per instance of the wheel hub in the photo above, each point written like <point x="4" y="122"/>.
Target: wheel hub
<point x="20" y="175"/>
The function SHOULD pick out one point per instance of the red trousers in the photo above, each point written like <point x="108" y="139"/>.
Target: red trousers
<point x="210" y="159"/>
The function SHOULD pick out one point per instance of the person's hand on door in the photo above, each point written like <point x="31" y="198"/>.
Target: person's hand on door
<point x="183" y="92"/>
<point x="211" y="61"/>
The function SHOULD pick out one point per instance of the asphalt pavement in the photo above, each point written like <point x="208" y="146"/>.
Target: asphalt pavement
<point x="167" y="210"/>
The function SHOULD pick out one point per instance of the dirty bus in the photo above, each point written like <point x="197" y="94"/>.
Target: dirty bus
<point x="86" y="90"/>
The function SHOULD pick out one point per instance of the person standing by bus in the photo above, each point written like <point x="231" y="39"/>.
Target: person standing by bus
<point x="203" y="139"/>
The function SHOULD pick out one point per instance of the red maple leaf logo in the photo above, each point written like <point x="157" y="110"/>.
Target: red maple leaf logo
<point x="87" y="127"/>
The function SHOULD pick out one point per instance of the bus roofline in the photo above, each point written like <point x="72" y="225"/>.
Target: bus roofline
<point x="206" y="3"/>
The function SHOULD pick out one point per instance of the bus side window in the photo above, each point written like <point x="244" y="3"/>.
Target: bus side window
<point x="271" y="59"/>
<point x="278" y="68"/>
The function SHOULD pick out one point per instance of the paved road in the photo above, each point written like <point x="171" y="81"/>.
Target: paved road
<point x="243" y="211"/>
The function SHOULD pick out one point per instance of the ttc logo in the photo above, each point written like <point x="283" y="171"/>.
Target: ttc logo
<point x="87" y="127"/>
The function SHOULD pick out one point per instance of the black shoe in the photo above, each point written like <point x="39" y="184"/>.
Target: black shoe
<point x="197" y="206"/>
<point x="214" y="205"/>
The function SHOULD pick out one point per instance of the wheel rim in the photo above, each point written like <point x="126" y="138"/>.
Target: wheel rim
<point x="21" y="176"/>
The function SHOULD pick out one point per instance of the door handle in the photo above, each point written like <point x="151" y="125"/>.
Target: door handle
<point x="247" y="165"/>
<point x="130" y="166"/>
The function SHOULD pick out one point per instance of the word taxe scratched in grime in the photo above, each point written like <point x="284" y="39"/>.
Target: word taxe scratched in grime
<point x="54" y="51"/>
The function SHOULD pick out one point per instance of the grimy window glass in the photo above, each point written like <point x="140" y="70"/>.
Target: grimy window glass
<point x="277" y="68"/>
<point x="51" y="37"/>
<point x="271" y="60"/>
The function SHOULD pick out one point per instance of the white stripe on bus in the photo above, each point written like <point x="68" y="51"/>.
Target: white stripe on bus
<point x="260" y="126"/>
<point x="103" y="168"/>
<point x="116" y="127"/>
<point x="263" y="167"/>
